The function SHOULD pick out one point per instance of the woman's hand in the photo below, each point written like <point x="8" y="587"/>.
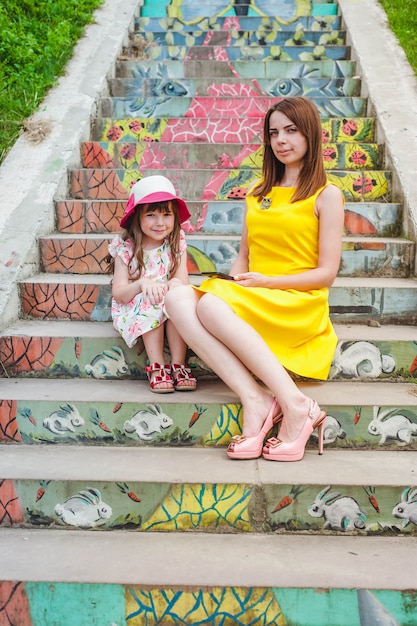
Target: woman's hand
<point x="252" y="279"/>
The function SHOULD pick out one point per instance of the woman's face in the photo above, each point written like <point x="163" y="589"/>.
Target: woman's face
<point x="156" y="225"/>
<point x="288" y="144"/>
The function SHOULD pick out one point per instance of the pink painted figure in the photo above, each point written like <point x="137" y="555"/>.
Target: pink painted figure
<point x="273" y="318"/>
<point x="149" y="259"/>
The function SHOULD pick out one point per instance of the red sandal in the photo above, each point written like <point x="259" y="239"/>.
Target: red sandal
<point x="183" y="378"/>
<point x="163" y="378"/>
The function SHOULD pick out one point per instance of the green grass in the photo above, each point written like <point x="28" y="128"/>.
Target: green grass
<point x="37" y="38"/>
<point x="402" y="18"/>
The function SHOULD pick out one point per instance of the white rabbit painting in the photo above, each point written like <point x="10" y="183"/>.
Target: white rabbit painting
<point x="148" y="422"/>
<point x="390" y="424"/>
<point x="85" y="509"/>
<point x="407" y="508"/>
<point x="109" y="364"/>
<point x="339" y="512"/>
<point x="63" y="421"/>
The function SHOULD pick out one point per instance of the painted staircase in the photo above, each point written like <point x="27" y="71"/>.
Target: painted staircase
<point x="184" y="535"/>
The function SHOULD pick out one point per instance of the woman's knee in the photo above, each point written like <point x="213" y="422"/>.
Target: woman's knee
<point x="179" y="298"/>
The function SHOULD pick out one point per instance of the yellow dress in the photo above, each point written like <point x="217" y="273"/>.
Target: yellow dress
<point x="283" y="240"/>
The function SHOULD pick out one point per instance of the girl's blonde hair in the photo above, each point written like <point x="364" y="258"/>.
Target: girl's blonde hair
<point x="133" y="231"/>
<point x="304" y="114"/>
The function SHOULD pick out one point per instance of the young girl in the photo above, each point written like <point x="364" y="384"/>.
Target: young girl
<point x="148" y="259"/>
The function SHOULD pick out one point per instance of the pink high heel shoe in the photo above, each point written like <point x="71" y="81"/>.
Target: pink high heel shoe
<point x="242" y="447"/>
<point x="277" y="450"/>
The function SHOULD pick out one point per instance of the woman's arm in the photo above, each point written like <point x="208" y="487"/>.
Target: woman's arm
<point x="241" y="263"/>
<point x="330" y="212"/>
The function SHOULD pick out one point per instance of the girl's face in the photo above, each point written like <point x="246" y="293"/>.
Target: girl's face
<point x="288" y="144"/>
<point x="156" y="225"/>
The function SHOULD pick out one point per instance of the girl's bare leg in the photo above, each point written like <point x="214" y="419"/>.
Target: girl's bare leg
<point x="178" y="351"/>
<point x="153" y="341"/>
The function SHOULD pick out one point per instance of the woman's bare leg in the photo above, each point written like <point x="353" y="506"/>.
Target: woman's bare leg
<point x="181" y="304"/>
<point x="233" y="350"/>
<point x="249" y="347"/>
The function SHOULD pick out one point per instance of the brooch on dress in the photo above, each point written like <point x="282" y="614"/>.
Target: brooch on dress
<point x="266" y="203"/>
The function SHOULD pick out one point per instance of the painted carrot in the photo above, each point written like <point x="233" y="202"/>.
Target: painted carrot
<point x="28" y="414"/>
<point x="41" y="491"/>
<point x="289" y="498"/>
<point x="370" y="492"/>
<point x="39" y="494"/>
<point x="104" y="427"/>
<point x="133" y="496"/>
<point x="357" y="417"/>
<point x="197" y="413"/>
<point x="117" y="407"/>
<point x="284" y="502"/>
<point x="413" y="366"/>
<point x="77" y="347"/>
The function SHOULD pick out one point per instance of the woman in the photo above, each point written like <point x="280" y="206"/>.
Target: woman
<point x="273" y="318"/>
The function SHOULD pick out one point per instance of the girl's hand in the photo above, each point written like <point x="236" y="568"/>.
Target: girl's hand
<point x="251" y="279"/>
<point x="152" y="291"/>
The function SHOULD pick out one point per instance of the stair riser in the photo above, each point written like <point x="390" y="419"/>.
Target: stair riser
<point x="246" y="23"/>
<point x="210" y="38"/>
<point x="184" y="423"/>
<point x="40" y="603"/>
<point x="369" y="257"/>
<point x="91" y="302"/>
<point x="79" y="216"/>
<point x="216" y="507"/>
<point x="223" y="130"/>
<point x="344" y="156"/>
<point x="243" y="69"/>
<point x="56" y="357"/>
<point x="113" y="184"/>
<point x="254" y="106"/>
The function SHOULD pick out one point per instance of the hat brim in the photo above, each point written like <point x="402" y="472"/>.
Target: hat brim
<point x="158" y="196"/>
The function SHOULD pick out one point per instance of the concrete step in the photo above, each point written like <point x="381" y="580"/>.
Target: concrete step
<point x="191" y="12"/>
<point x="177" y="490"/>
<point x="86" y="254"/>
<point x="189" y="68"/>
<point x="342" y="156"/>
<point x="223" y="130"/>
<point x="144" y="86"/>
<point x="252" y="53"/>
<point x="88" y="297"/>
<point x="242" y="22"/>
<point x="220" y="106"/>
<point x="65" y="349"/>
<point x="208" y="184"/>
<point x="298" y="36"/>
<point x="89" y="412"/>
<point x="381" y="219"/>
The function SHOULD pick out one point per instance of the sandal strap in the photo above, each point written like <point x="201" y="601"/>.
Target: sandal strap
<point x="182" y="372"/>
<point x="164" y="375"/>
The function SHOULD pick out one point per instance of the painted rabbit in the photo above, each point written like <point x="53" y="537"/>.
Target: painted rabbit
<point x="407" y="508"/>
<point x="339" y="512"/>
<point x="361" y="359"/>
<point x="67" y="419"/>
<point x="109" y="364"/>
<point x="390" y="424"/>
<point x="85" y="510"/>
<point x="332" y="430"/>
<point x="147" y="422"/>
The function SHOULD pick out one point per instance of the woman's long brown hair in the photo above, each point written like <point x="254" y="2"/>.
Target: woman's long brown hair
<point x="304" y="114"/>
<point x="134" y="232"/>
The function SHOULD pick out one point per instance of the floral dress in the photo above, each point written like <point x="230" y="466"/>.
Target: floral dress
<point x="136" y="317"/>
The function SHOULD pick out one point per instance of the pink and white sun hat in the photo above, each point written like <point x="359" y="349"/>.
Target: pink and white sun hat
<point x="153" y="189"/>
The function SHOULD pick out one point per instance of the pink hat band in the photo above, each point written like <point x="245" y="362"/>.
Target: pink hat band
<point x="153" y="189"/>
